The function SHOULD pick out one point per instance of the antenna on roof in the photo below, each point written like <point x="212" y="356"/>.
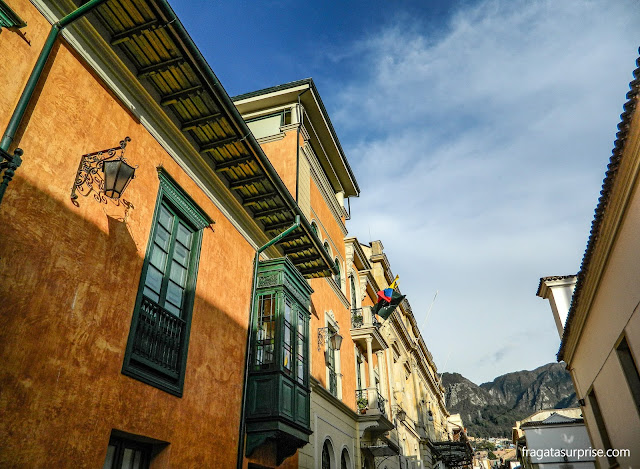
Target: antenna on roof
<point x="424" y="323"/>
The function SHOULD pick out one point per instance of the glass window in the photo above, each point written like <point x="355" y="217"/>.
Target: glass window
<point x="331" y="364"/>
<point x="630" y="370"/>
<point x="127" y="454"/>
<point x="344" y="460"/>
<point x="265" y="336"/>
<point x="326" y="456"/>
<point x="354" y="296"/>
<point x="157" y="346"/>
<point x="301" y="362"/>
<point x="287" y="337"/>
<point x="337" y="277"/>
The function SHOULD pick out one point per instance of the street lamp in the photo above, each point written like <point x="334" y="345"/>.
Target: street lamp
<point x="115" y="175"/>
<point x="326" y="335"/>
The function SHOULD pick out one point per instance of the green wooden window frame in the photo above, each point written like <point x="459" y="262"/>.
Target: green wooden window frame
<point x="281" y="336"/>
<point x="9" y="18"/>
<point x="331" y="363"/>
<point x="158" y="342"/>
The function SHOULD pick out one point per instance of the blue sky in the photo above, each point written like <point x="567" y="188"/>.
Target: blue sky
<point x="481" y="128"/>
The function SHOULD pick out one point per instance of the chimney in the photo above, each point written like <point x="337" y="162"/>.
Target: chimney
<point x="558" y="290"/>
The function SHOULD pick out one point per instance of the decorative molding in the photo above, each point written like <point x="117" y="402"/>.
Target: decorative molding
<point x="323" y="184"/>
<point x="270" y="138"/>
<point x="295" y="292"/>
<point x="267" y="281"/>
<point x="181" y="199"/>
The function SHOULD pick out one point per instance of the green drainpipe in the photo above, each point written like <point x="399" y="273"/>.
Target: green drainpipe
<point x="256" y="259"/>
<point x="13" y="161"/>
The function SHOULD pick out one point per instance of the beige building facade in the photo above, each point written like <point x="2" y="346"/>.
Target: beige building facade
<point x="601" y="336"/>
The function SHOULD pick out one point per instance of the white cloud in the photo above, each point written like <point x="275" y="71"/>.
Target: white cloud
<point x="488" y="140"/>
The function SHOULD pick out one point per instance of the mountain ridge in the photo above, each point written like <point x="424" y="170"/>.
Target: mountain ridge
<point x="491" y="408"/>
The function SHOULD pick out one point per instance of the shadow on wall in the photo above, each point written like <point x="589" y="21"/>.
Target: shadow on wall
<point x="67" y="289"/>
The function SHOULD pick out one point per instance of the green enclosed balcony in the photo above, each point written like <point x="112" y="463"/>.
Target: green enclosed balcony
<point x="278" y="403"/>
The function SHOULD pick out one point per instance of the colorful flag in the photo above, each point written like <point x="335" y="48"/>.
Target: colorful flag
<point x="388" y="301"/>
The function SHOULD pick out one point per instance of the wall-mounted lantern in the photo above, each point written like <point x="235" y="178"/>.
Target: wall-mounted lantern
<point x="401" y="415"/>
<point x="325" y="335"/>
<point x="106" y="173"/>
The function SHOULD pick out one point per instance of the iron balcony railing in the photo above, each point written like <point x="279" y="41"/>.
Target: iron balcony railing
<point x="381" y="403"/>
<point x="361" y="318"/>
<point x="158" y="338"/>
<point x="362" y="400"/>
<point x="333" y="382"/>
<point x="357" y="319"/>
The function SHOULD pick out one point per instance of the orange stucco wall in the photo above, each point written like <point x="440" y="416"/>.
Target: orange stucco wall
<point x="70" y="277"/>
<point x="282" y="155"/>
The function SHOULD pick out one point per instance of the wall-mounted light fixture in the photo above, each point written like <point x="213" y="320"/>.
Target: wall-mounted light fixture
<point x="401" y="415"/>
<point x="325" y="335"/>
<point x="105" y="173"/>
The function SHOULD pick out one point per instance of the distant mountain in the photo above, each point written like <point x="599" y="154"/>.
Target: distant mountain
<point x="491" y="409"/>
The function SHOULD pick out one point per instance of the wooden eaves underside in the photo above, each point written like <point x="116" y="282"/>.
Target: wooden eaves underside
<point x="147" y="35"/>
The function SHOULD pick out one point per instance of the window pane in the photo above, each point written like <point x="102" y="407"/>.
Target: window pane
<point x="149" y="293"/>
<point x="172" y="309"/>
<point x="163" y="237"/>
<point x="181" y="254"/>
<point x="108" y="462"/>
<point x="265" y="334"/>
<point x="158" y="257"/>
<point x="174" y="294"/>
<point x="154" y="279"/>
<point x="127" y="459"/>
<point x="300" y="349"/>
<point x="178" y="274"/>
<point x="165" y="218"/>
<point x="184" y="234"/>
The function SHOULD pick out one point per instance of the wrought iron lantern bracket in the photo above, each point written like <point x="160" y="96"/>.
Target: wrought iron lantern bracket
<point x="324" y="336"/>
<point x="89" y="180"/>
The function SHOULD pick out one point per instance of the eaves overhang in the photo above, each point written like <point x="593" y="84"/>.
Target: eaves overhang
<point x="335" y="165"/>
<point x="542" y="285"/>
<point x="359" y="257"/>
<point x="152" y="42"/>
<point x="595" y="235"/>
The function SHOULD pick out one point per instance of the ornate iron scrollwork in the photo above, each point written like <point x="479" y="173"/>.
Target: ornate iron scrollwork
<point x="88" y="179"/>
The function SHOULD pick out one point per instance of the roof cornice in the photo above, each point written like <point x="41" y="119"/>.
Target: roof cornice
<point x="617" y="187"/>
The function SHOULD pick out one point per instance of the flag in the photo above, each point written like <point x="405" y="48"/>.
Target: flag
<point x="388" y="301"/>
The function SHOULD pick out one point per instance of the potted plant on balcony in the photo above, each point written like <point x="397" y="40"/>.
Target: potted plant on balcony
<point x="362" y="402"/>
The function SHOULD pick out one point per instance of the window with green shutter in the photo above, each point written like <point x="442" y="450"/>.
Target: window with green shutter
<point x="159" y="335"/>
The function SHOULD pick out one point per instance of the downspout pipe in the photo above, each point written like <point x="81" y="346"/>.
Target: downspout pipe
<point x="27" y="93"/>
<point x="13" y="161"/>
<point x="256" y="259"/>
